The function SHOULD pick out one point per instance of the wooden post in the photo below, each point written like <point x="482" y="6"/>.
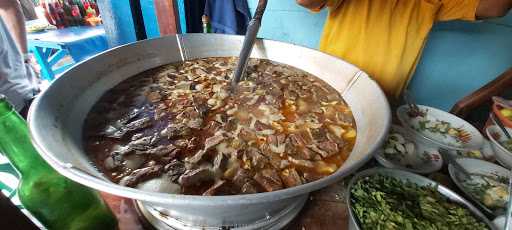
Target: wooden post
<point x="166" y="14"/>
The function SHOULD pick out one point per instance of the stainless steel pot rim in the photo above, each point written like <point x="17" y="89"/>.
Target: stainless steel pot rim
<point x="87" y="179"/>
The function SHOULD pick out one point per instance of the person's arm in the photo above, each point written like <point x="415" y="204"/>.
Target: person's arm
<point x="493" y="8"/>
<point x="10" y="11"/>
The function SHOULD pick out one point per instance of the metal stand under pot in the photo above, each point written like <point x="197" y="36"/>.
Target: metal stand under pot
<point x="161" y="218"/>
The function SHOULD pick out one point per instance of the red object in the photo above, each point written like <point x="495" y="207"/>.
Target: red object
<point x="59" y="21"/>
<point x="60" y="13"/>
<point x="53" y="13"/>
<point x="75" y="11"/>
<point x="95" y="7"/>
<point x="86" y="5"/>
<point x="46" y="12"/>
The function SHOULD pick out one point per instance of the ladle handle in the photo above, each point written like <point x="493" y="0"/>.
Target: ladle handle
<point x="250" y="38"/>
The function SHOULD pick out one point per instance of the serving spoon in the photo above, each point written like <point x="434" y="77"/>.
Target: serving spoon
<point x="249" y="40"/>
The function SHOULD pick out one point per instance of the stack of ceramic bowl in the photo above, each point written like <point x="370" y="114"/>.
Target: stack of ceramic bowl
<point x="415" y="147"/>
<point x="498" y="139"/>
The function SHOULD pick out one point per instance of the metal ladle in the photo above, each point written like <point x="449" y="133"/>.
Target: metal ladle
<point x="250" y="38"/>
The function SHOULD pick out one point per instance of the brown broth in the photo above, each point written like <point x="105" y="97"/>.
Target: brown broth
<point x="193" y="101"/>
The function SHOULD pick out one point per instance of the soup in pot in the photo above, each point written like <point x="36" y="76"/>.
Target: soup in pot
<point x="179" y="128"/>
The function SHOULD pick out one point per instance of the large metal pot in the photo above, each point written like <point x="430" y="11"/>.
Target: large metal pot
<point x="57" y="116"/>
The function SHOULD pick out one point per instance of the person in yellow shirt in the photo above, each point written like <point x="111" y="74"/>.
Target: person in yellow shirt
<point x="385" y="37"/>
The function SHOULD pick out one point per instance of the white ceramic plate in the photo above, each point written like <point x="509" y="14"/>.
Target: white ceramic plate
<point x="473" y="139"/>
<point x="499" y="222"/>
<point x="424" y="160"/>
<point x="478" y="167"/>
<point x="484" y="153"/>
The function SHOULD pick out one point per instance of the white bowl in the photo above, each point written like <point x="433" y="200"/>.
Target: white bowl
<point x="475" y="141"/>
<point x="496" y="136"/>
<point x="499" y="222"/>
<point x="479" y="167"/>
<point x="415" y="161"/>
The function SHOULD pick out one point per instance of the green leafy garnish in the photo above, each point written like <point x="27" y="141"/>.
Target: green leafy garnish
<point x="385" y="203"/>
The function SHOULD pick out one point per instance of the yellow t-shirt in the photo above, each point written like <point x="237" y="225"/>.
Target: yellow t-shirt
<point x="385" y="37"/>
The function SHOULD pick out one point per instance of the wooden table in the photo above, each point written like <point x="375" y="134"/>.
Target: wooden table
<point x="326" y="209"/>
<point x="51" y="46"/>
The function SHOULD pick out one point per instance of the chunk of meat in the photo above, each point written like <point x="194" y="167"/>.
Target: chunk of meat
<point x="305" y="153"/>
<point x="249" y="188"/>
<point x="315" y="149"/>
<point x="175" y="169"/>
<point x="154" y="139"/>
<point x="141" y="144"/>
<point x="275" y="97"/>
<point x="291" y="178"/>
<point x="200" y="105"/>
<point x="302" y="163"/>
<point x="163" y="150"/>
<point x="113" y="161"/>
<point x="175" y="130"/>
<point x="129" y="116"/>
<point x="295" y="140"/>
<point x="260" y="126"/>
<point x="319" y="135"/>
<point x="325" y="149"/>
<point x="137" y="136"/>
<point x="309" y="177"/>
<point x="219" y="163"/>
<point x="296" y="147"/>
<point x="154" y="97"/>
<point x="277" y="143"/>
<point x="191" y="118"/>
<point x="244" y="181"/>
<point x="329" y="147"/>
<point x="118" y="130"/>
<point x="140" y="175"/>
<point x="215" y="189"/>
<point x="196" y="176"/>
<point x="254" y="156"/>
<point x="247" y="135"/>
<point x="273" y="157"/>
<point x="123" y="150"/>
<point x="209" y="143"/>
<point x="212" y="127"/>
<point x="269" y="179"/>
<point x="214" y="140"/>
<point x="136" y="125"/>
<point x="245" y="87"/>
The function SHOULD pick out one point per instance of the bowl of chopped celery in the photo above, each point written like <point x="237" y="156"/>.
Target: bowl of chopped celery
<point x="381" y="198"/>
